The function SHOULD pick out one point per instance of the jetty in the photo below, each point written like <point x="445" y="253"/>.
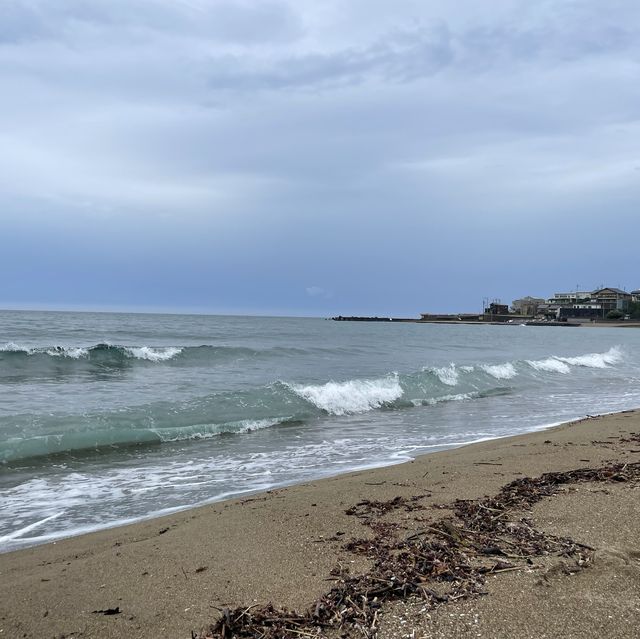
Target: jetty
<point x="353" y="318"/>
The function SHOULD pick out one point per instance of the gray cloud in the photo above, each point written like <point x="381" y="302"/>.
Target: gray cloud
<point x="400" y="57"/>
<point x="224" y="21"/>
<point x="409" y="54"/>
<point x="359" y="140"/>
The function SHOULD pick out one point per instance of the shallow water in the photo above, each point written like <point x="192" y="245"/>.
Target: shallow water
<point x="109" y="418"/>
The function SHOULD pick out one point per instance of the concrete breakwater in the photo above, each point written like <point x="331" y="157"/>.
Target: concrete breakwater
<point x="341" y="318"/>
<point x="456" y="319"/>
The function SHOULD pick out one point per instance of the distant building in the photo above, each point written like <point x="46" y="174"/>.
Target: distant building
<point x="593" y="305"/>
<point x="497" y="309"/>
<point x="611" y="299"/>
<point x="568" y="299"/>
<point x="527" y="305"/>
<point x="550" y="311"/>
<point x="590" y="311"/>
<point x="635" y="295"/>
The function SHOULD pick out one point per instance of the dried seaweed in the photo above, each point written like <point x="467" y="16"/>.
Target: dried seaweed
<point x="633" y="438"/>
<point x="367" y="509"/>
<point x="444" y="561"/>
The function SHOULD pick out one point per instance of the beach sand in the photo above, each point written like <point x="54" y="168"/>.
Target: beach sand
<point x="169" y="576"/>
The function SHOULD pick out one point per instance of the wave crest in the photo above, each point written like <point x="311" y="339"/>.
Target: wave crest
<point x="351" y="397"/>
<point x="152" y="354"/>
<point x="550" y="365"/>
<point x="500" y="371"/>
<point x="11" y="347"/>
<point x="240" y="411"/>
<point x="107" y="438"/>
<point x="595" y="360"/>
<point x="61" y="351"/>
<point x="447" y="374"/>
<point x="207" y="431"/>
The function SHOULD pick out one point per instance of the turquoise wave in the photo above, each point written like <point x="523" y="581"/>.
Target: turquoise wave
<point x="238" y="412"/>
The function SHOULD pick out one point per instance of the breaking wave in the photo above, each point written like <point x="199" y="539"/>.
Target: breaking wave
<point x="63" y="360"/>
<point x="454" y="375"/>
<point x="353" y="396"/>
<point x="154" y="354"/>
<point x="271" y="405"/>
<point x="34" y="359"/>
<point x="432" y="401"/>
<point x="447" y="375"/>
<point x="105" y="437"/>
<point x="500" y="371"/>
<point x="551" y="365"/>
<point x="595" y="360"/>
<point x="43" y="360"/>
<point x="558" y="364"/>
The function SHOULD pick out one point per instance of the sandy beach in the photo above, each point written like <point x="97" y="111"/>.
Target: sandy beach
<point x="170" y="577"/>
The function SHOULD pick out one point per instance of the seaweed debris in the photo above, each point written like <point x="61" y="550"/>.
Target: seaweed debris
<point x="444" y="561"/>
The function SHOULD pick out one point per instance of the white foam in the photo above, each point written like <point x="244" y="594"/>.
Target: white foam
<point x="500" y="371"/>
<point x="595" y="360"/>
<point x="23" y="531"/>
<point x="11" y="347"/>
<point x="207" y="431"/>
<point x="72" y="352"/>
<point x="353" y="396"/>
<point x="447" y="374"/>
<point x="551" y="365"/>
<point x="249" y="425"/>
<point x="449" y="398"/>
<point x="152" y="354"/>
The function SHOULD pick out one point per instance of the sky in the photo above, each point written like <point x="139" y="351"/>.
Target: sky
<point x="316" y="158"/>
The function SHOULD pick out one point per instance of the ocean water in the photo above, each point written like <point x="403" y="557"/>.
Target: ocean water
<point x="110" y="418"/>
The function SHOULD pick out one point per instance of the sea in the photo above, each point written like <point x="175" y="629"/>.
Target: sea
<point x="108" y="418"/>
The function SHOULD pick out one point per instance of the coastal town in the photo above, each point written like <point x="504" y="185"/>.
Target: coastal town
<point x="606" y="306"/>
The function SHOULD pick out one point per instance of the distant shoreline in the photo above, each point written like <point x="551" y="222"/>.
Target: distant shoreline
<point x="468" y="322"/>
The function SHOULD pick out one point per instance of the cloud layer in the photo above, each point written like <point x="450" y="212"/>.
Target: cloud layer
<point x="226" y="154"/>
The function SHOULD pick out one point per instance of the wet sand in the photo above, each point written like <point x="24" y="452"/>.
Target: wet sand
<point x="167" y="577"/>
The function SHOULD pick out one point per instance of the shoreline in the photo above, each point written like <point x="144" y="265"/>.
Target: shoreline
<point x="166" y="575"/>
<point x="241" y="495"/>
<point x="519" y="321"/>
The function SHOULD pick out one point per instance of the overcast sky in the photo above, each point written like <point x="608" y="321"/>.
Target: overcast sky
<point x="316" y="157"/>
